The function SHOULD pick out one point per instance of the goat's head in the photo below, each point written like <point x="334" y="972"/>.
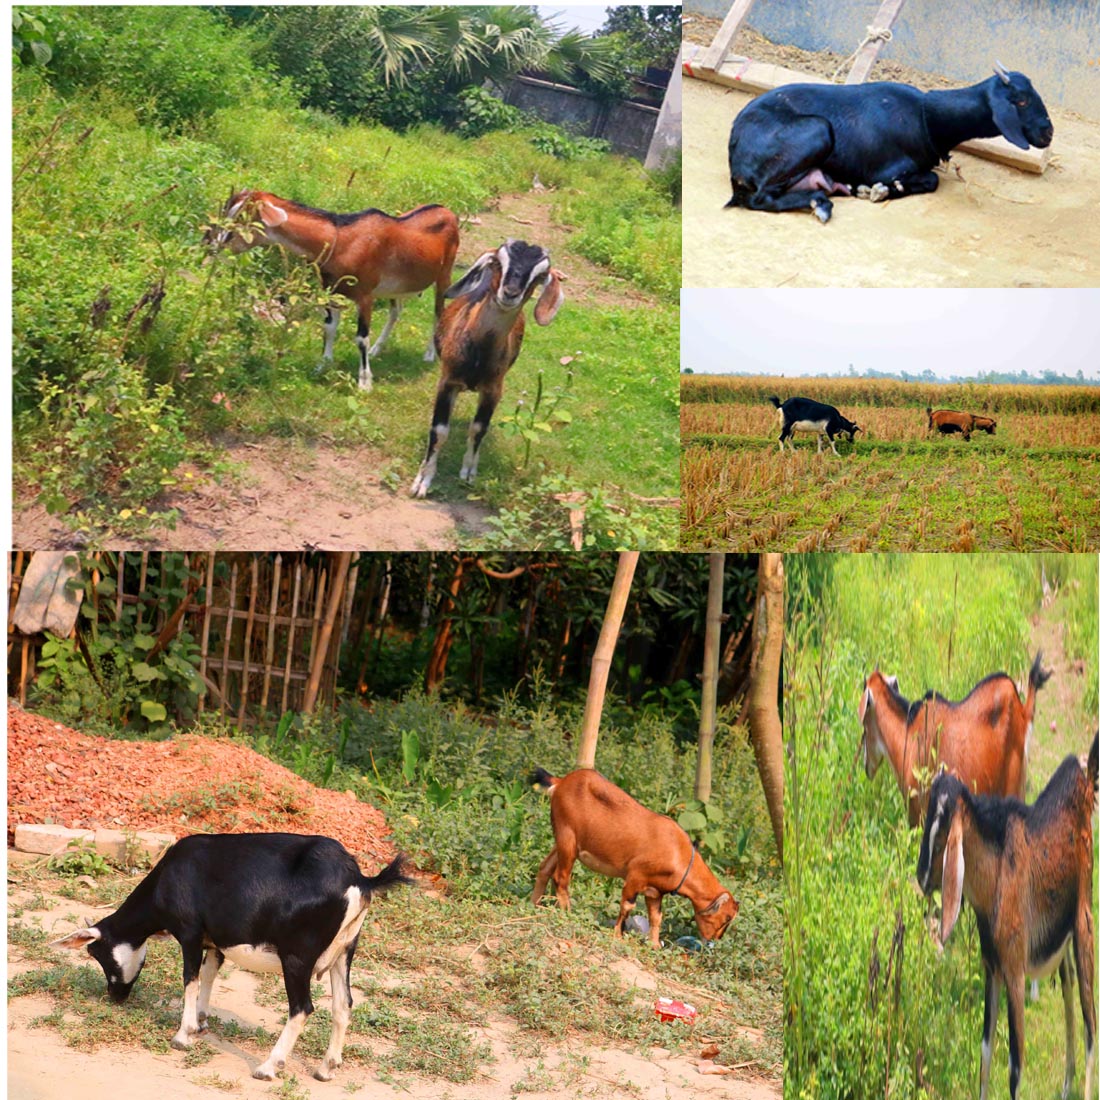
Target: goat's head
<point x="940" y="864"/>
<point x="511" y="273"/>
<point x="851" y="429"/>
<point x="243" y="220"/>
<point x="121" y="962"/>
<point x="872" y="747"/>
<point x="716" y="917"/>
<point x="985" y="424"/>
<point x="1018" y="112"/>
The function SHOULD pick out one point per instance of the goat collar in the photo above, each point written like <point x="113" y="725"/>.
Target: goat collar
<point x="683" y="878"/>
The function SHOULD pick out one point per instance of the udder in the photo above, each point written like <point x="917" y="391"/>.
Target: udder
<point x="816" y="180"/>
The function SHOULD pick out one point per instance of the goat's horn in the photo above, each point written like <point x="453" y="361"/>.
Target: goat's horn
<point x="999" y="69"/>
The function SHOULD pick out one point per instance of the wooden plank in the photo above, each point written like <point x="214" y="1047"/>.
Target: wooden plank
<point x="269" y="652"/>
<point x="290" y="633"/>
<point x="253" y="585"/>
<point x="758" y="76"/>
<point x="878" y="34"/>
<point x="205" y="649"/>
<point x="227" y="639"/>
<point x="727" y="32"/>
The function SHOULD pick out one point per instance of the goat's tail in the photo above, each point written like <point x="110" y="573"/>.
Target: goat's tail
<point x="1092" y="768"/>
<point x="775" y="401"/>
<point x="393" y="874"/>
<point x="1035" y="680"/>
<point x="542" y="780"/>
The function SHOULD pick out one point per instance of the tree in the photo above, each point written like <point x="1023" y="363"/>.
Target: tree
<point x="708" y="707"/>
<point x="651" y="34"/>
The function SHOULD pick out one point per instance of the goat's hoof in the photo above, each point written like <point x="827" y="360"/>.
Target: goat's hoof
<point x="262" y="1073"/>
<point x="419" y="489"/>
<point x="875" y="193"/>
<point x="179" y="1043"/>
<point x="823" y="211"/>
<point x="325" y="1070"/>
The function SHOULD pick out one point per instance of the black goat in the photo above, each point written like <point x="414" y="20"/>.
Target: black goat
<point x="800" y="414"/>
<point x="796" y="145"/>
<point x="272" y="902"/>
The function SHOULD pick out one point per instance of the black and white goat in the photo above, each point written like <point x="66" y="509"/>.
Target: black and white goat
<point x="479" y="337"/>
<point x="795" y="146"/>
<point x="800" y="414"/>
<point x="1027" y="873"/>
<point x="269" y="902"/>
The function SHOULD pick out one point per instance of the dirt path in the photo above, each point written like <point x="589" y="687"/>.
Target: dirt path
<point x="42" y="1066"/>
<point x="989" y="226"/>
<point x="287" y="496"/>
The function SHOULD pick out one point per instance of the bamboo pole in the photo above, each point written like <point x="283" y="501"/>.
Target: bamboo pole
<point x="118" y="584"/>
<point x="290" y="632"/>
<point x="269" y="653"/>
<point x="320" y="652"/>
<point x="349" y="599"/>
<point x="141" y="586"/>
<point x="708" y="706"/>
<point x="601" y="659"/>
<point x="228" y="638"/>
<point x="878" y="33"/>
<point x="254" y="579"/>
<point x="204" y="650"/>
<point x="727" y="32"/>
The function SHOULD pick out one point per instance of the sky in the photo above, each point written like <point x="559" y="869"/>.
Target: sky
<point x="951" y="332"/>
<point x="585" y="17"/>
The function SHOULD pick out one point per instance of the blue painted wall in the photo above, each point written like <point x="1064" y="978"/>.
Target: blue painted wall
<point x="1055" y="42"/>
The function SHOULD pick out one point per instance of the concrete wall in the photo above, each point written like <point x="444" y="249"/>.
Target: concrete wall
<point x="627" y="126"/>
<point x="1055" y="42"/>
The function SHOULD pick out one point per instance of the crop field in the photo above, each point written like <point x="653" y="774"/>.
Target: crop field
<point x="1034" y="485"/>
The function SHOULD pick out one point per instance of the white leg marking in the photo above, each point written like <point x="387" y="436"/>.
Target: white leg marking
<point x="331" y="323"/>
<point x="207" y="974"/>
<point x="429" y="353"/>
<point x="424" y="478"/>
<point x="366" y="380"/>
<point x="469" y="460"/>
<point x="277" y="1058"/>
<point x="189" y="1026"/>
<point x="387" y="328"/>
<point x="341" y="1014"/>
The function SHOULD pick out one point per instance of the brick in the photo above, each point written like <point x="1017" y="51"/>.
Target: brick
<point x="111" y="844"/>
<point x="48" y="840"/>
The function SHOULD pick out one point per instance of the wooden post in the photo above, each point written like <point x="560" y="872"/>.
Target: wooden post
<point x="121" y="569"/>
<point x="708" y="707"/>
<point x="269" y="651"/>
<point x="228" y="633"/>
<point x="290" y="632"/>
<point x="141" y="586"/>
<point x="205" y="649"/>
<point x="765" y="727"/>
<point x="248" y="636"/>
<point x="871" y="46"/>
<point x="601" y="659"/>
<point x="317" y="657"/>
<point x="727" y="32"/>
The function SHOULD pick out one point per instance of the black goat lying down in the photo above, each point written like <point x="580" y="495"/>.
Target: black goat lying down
<point x="796" y="145"/>
<point x="800" y="414"/>
<point x="273" y="902"/>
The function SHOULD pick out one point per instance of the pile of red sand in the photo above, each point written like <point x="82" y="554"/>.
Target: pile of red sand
<point x="188" y="785"/>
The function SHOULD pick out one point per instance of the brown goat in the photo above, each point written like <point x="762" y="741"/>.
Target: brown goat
<point x="1027" y="873"/>
<point x="361" y="256"/>
<point x="610" y="833"/>
<point x="982" y="739"/>
<point x="479" y="337"/>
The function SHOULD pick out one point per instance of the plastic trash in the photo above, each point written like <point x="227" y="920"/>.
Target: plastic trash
<point x="668" y="1011"/>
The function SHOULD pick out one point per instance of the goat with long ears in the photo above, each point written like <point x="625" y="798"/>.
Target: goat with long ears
<point x="1027" y="873"/>
<point x="361" y="256"/>
<point x="479" y="337"/>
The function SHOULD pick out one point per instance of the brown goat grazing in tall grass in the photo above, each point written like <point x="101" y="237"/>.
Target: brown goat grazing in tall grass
<point x="983" y="739"/>
<point x="1027" y="873"/>
<point x="362" y="256"/>
<point x="947" y="422"/>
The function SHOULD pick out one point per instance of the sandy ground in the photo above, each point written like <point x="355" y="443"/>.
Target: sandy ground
<point x="986" y="226"/>
<point x="42" y="1067"/>
<point x="286" y="496"/>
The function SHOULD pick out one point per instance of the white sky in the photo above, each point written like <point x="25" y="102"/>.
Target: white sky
<point x="585" y="17"/>
<point x="951" y="332"/>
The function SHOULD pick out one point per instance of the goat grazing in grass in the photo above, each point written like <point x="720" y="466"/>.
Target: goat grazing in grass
<point x="800" y="414"/>
<point x="479" y="337"/>
<point x="361" y="256"/>
<point x="1027" y="873"/>
<point x="269" y="902"/>
<point x="948" y="422"/>
<point x="608" y="831"/>
<point x="793" y="147"/>
<point x="982" y="739"/>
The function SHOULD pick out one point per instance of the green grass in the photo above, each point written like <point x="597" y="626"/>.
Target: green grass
<point x="866" y="1020"/>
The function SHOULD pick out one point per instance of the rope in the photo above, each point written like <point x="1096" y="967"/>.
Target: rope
<point x="874" y="34"/>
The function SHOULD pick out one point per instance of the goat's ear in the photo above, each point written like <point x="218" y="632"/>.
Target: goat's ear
<point x="476" y="279"/>
<point x="866" y="700"/>
<point x="1006" y="117"/>
<point x="716" y="904"/>
<point x="892" y="681"/>
<point x="953" y="873"/>
<point x="271" y="215"/>
<point x="550" y="299"/>
<point x="80" y="938"/>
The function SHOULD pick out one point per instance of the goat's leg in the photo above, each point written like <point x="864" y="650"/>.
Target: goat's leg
<point x="387" y="328"/>
<point x="362" y="338"/>
<point x="331" y="323"/>
<point x="1065" y="976"/>
<point x="546" y="869"/>
<point x="901" y="183"/>
<point x="478" y="427"/>
<point x="566" y="846"/>
<point x="653" y="908"/>
<point x="437" y="436"/>
<point x="192" y="966"/>
<point x="1014" y="987"/>
<point x="989" y="1030"/>
<point x="1084" y="944"/>
<point x="832" y="443"/>
<point x="819" y="442"/>
<point x="296" y="977"/>
<point x="441" y="285"/>
<point x="211" y="964"/>
<point x="340" y="980"/>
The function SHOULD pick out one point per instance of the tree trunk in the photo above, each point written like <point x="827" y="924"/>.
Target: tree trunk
<point x="708" y="707"/>
<point x="765" y="727"/>
<point x="601" y="659"/>
<point x="444" y="636"/>
<point x="324" y="638"/>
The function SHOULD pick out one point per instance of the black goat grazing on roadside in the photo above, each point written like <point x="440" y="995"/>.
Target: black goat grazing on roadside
<point x="796" y="145"/>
